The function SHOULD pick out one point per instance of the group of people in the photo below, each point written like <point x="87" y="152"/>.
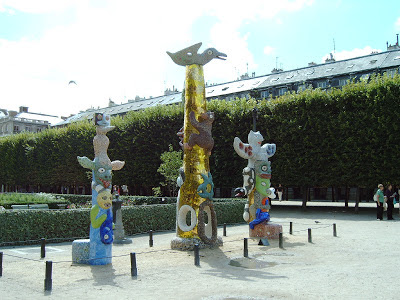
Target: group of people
<point x="385" y="200"/>
<point x="117" y="190"/>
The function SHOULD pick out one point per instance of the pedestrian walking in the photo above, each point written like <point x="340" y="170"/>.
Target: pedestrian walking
<point x="389" y="198"/>
<point x="379" y="199"/>
<point x="280" y="192"/>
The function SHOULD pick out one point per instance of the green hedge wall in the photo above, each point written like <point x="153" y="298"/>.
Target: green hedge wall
<point x="335" y="138"/>
<point x="29" y="226"/>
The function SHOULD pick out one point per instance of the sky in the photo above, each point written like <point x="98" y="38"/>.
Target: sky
<point x="116" y="49"/>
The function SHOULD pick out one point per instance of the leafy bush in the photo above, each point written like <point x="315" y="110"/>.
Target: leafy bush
<point x="9" y="199"/>
<point x="29" y="226"/>
<point x="323" y="138"/>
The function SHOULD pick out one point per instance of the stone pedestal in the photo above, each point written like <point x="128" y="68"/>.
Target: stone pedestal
<point x="265" y="230"/>
<point x="187" y="244"/>
<point x="80" y="251"/>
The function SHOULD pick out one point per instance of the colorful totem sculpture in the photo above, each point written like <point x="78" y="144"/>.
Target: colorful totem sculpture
<point x="196" y="185"/>
<point x="257" y="185"/>
<point x="101" y="225"/>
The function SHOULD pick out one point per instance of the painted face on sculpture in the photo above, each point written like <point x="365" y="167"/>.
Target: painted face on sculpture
<point x="103" y="174"/>
<point x="262" y="186"/>
<point x="102" y="119"/>
<point x="104" y="199"/>
<point x="263" y="176"/>
<point x="255" y="138"/>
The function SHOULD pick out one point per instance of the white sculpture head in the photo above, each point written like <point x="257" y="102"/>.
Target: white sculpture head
<point x="255" y="138"/>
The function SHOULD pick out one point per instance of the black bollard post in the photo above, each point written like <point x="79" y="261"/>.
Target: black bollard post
<point x="309" y="235"/>
<point x="224" y="234"/>
<point x="43" y="248"/>
<point x="196" y="255"/>
<point x="334" y="229"/>
<point x="151" y="238"/>
<point x="1" y="264"/>
<point x="246" y="249"/>
<point x="48" y="282"/>
<point x="133" y="264"/>
<point x="280" y="240"/>
<point x="291" y="228"/>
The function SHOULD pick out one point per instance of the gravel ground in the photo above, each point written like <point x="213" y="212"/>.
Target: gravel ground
<point x="360" y="263"/>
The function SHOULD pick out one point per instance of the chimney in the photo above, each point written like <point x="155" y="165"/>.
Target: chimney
<point x="23" y="109"/>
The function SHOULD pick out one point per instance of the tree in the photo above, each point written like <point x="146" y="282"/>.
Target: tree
<point x="169" y="168"/>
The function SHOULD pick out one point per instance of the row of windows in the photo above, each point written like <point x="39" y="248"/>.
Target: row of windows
<point x="322" y="84"/>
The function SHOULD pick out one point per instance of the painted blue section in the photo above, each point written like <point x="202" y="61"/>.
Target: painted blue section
<point x="100" y="253"/>
<point x="260" y="217"/>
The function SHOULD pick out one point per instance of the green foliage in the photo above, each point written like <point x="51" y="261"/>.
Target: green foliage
<point x="60" y="225"/>
<point x="334" y="138"/>
<point x="171" y="161"/>
<point x="8" y="199"/>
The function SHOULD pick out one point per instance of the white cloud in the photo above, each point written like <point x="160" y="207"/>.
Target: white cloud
<point x="117" y="50"/>
<point x="268" y="50"/>
<point x="397" y="24"/>
<point x="345" y="54"/>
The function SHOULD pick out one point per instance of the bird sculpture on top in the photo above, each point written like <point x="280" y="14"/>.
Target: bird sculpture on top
<point x="189" y="56"/>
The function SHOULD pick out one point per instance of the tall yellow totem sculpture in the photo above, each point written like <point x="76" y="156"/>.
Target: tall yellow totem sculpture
<point x="196" y="185"/>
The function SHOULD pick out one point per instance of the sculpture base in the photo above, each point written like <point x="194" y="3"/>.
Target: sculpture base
<point x="187" y="244"/>
<point x="265" y="230"/>
<point x="80" y="251"/>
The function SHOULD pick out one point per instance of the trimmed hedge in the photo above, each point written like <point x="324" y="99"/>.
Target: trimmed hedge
<point x="29" y="226"/>
<point x="9" y="199"/>
<point x="330" y="138"/>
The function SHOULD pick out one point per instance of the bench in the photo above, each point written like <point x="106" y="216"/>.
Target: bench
<point x="38" y="206"/>
<point x="20" y="206"/>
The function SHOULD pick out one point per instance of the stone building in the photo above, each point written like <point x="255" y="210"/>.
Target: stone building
<point x="330" y="74"/>
<point x="12" y="122"/>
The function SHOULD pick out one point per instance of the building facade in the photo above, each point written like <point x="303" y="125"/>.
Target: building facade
<point x="328" y="75"/>
<point x="13" y="122"/>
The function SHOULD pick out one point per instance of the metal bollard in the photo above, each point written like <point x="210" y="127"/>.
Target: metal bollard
<point x="280" y="240"/>
<point x="291" y="228"/>
<point x="334" y="229"/>
<point x="246" y="248"/>
<point x="43" y="248"/>
<point x="151" y="238"/>
<point x="1" y="264"/>
<point x="48" y="282"/>
<point x="196" y="255"/>
<point x="224" y="234"/>
<point x="133" y="264"/>
<point x="309" y="235"/>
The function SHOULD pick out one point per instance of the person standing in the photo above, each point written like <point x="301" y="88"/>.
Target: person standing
<point x="389" y="197"/>
<point x="280" y="192"/>
<point x="380" y="199"/>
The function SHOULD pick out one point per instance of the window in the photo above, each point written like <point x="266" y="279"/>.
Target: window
<point x="342" y="82"/>
<point x="321" y="84"/>
<point x="16" y="128"/>
<point x="264" y="94"/>
<point x="301" y="87"/>
<point x="364" y="77"/>
<point x="282" y="91"/>
<point x="391" y="72"/>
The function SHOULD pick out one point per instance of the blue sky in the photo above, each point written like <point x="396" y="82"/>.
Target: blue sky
<point x="117" y="49"/>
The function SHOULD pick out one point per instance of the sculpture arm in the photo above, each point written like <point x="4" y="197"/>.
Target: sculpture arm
<point x="193" y="120"/>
